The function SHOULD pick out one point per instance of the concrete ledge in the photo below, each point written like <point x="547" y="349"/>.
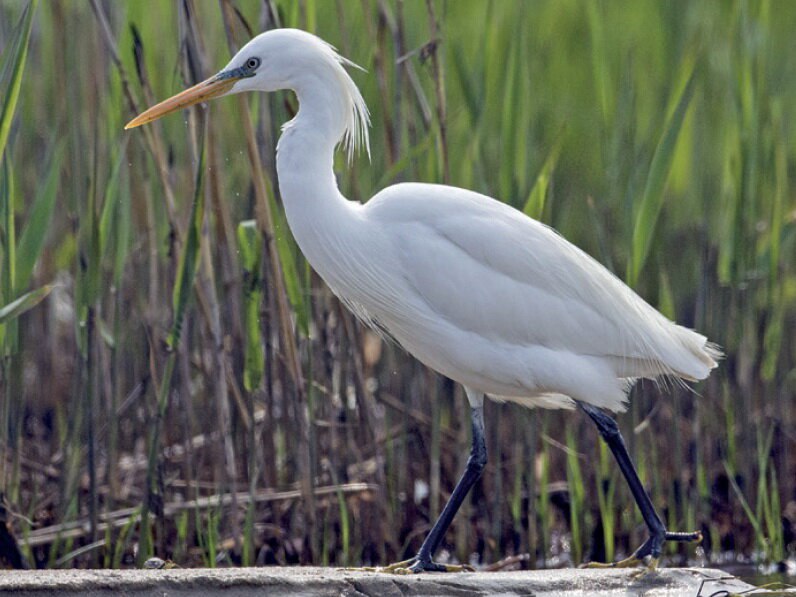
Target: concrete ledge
<point x="235" y="582"/>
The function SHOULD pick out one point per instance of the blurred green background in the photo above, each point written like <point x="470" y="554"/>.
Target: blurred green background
<point x="190" y="389"/>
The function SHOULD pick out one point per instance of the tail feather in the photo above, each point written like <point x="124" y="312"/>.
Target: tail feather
<point x="698" y="359"/>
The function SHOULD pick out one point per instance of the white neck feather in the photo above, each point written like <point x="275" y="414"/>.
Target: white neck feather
<point x="323" y="222"/>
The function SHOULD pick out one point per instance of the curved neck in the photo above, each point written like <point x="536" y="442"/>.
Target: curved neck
<point x="305" y="152"/>
<point x="319" y="217"/>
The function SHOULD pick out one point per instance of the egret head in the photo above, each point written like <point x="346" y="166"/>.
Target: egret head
<point x="266" y="63"/>
<point x="276" y="59"/>
<point x="279" y="59"/>
<point x="282" y="59"/>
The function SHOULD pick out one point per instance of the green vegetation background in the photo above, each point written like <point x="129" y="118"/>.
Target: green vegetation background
<point x="190" y="388"/>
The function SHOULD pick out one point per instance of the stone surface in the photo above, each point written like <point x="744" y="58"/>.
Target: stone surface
<point x="235" y="582"/>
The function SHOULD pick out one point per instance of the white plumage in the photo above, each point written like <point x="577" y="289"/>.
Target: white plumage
<point x="470" y="286"/>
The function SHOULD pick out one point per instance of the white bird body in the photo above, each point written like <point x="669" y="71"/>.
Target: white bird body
<point x="468" y="285"/>
<point x="464" y="283"/>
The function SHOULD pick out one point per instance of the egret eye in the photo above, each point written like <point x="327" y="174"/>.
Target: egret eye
<point x="252" y="63"/>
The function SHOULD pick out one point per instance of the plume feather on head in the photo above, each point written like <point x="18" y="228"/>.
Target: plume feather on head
<point x="357" y="122"/>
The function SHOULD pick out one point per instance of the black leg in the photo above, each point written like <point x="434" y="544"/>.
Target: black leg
<point x="472" y="472"/>
<point x="609" y="431"/>
<point x="422" y="562"/>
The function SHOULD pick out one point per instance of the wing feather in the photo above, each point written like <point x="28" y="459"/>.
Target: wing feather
<point x="489" y="270"/>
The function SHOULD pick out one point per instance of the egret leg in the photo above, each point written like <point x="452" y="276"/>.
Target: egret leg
<point x="650" y="550"/>
<point x="423" y="562"/>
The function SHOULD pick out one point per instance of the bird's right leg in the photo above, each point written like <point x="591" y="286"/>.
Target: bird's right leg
<point x="422" y="562"/>
<point x="650" y="550"/>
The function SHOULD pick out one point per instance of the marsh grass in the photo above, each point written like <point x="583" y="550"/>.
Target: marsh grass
<point x="186" y="353"/>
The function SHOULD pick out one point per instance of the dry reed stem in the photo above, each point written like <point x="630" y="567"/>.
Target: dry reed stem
<point x="120" y="518"/>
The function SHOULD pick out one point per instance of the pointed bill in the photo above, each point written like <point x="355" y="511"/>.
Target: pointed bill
<point x="213" y="87"/>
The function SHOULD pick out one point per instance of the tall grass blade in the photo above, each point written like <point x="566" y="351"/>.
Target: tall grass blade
<point x="543" y="501"/>
<point x="123" y="539"/>
<point x="14" y="66"/>
<point x="290" y="273"/>
<point x="8" y="237"/>
<point x="750" y="514"/>
<point x="774" y="520"/>
<point x="24" y="303"/>
<point x="775" y="326"/>
<point x="39" y="220"/>
<point x="599" y="62"/>
<point x="577" y="496"/>
<point x="535" y="203"/>
<point x="473" y="96"/>
<point x="112" y="219"/>
<point x="250" y="245"/>
<point x="189" y="259"/>
<point x="606" y="490"/>
<point x="649" y="207"/>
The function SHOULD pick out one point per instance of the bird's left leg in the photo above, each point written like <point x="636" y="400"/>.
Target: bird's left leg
<point x="650" y="551"/>
<point x="422" y="562"/>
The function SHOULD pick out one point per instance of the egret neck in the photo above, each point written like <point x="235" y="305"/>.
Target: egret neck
<point x="322" y="220"/>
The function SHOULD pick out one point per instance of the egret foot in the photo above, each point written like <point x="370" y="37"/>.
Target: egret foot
<point x="421" y="565"/>
<point x="390" y="568"/>
<point x="651" y="565"/>
<point x="414" y="566"/>
<point x="630" y="562"/>
<point x="650" y="552"/>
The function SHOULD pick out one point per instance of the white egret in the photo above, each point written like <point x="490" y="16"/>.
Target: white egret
<point x="468" y="285"/>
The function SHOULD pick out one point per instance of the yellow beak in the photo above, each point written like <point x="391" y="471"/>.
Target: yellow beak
<point x="213" y="87"/>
